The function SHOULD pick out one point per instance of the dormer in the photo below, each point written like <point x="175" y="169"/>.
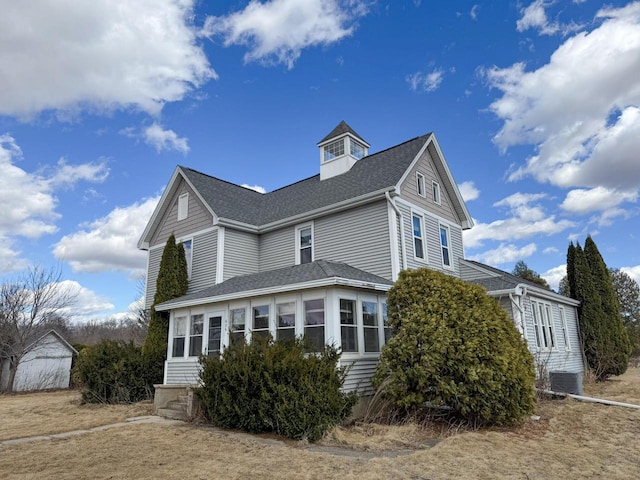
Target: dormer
<point x="340" y="150"/>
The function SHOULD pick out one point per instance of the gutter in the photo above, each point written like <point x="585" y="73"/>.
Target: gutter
<point x="582" y="398"/>
<point x="402" y="239"/>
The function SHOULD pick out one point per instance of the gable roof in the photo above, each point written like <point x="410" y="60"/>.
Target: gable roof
<point x="297" y="277"/>
<point x="497" y="280"/>
<point x="57" y="336"/>
<point x="369" y="178"/>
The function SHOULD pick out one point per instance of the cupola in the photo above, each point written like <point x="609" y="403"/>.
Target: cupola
<point x="340" y="150"/>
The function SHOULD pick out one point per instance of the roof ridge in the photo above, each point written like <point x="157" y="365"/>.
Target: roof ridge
<point x="221" y="180"/>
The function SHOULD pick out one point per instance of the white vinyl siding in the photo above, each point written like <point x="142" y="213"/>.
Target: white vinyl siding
<point x="203" y="260"/>
<point x="277" y="249"/>
<point x="241" y="251"/>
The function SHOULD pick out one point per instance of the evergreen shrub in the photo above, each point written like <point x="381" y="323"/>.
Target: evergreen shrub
<point x="113" y="372"/>
<point x="454" y="347"/>
<point x="274" y="386"/>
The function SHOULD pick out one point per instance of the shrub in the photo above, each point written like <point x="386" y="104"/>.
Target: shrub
<point x="454" y="346"/>
<point x="113" y="372"/>
<point x="276" y="387"/>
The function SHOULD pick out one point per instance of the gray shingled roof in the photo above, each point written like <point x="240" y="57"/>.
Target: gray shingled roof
<point x="341" y="129"/>
<point x="504" y="280"/>
<point x="372" y="173"/>
<point x="308" y="272"/>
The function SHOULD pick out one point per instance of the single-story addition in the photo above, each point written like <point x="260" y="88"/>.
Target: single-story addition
<point x="46" y="365"/>
<point x="547" y="321"/>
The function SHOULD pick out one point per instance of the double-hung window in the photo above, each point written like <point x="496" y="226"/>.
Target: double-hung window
<point x="214" y="341"/>
<point x="444" y="243"/>
<point x="238" y="322"/>
<point x="348" y="325"/>
<point x="435" y="186"/>
<point x="421" y="184"/>
<point x="314" y="323"/>
<point x="260" y="322"/>
<point x="305" y="244"/>
<point x="195" y="335"/>
<point x="179" y="334"/>
<point x="187" y="245"/>
<point x="286" y="321"/>
<point x="565" y="330"/>
<point x="418" y="240"/>
<point x="370" y="326"/>
<point x="543" y="325"/>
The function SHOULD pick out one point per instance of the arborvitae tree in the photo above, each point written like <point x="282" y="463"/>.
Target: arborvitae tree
<point x="628" y="293"/>
<point x="522" y="270"/>
<point x="172" y="282"/>
<point x="604" y="340"/>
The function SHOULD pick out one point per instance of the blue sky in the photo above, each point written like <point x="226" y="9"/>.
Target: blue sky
<point x="536" y="106"/>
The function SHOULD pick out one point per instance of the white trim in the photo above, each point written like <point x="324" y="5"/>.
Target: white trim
<point x="419" y="176"/>
<point x="448" y="236"/>
<point x="436" y="192"/>
<point x="183" y="206"/>
<point x="423" y="239"/>
<point x="189" y="261"/>
<point x="208" y="314"/>
<point x="220" y="255"/>
<point x="566" y="336"/>
<point x="298" y="245"/>
<point x="392" y="214"/>
<point x="199" y="233"/>
<point x="418" y="208"/>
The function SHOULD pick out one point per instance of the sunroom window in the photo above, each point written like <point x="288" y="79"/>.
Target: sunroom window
<point x="237" y="324"/>
<point x="179" y="334"/>
<point x="260" y="322"/>
<point x="314" y="323"/>
<point x="286" y="321"/>
<point x="370" y="325"/>
<point x="195" y="335"/>
<point x="348" y="325"/>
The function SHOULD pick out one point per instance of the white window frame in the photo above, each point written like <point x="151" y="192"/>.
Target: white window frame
<point x="192" y="335"/>
<point x="258" y="304"/>
<point x="377" y="327"/>
<point x="285" y="301"/>
<point x="230" y="330"/>
<point x="355" y="326"/>
<point x="330" y="155"/>
<point x="184" y="316"/>
<point x="435" y="187"/>
<point x="356" y="149"/>
<point x="299" y="246"/>
<point x="421" y="185"/>
<point x="207" y="330"/>
<point x="188" y="254"/>
<point x="565" y="329"/>
<point x="447" y="236"/>
<point x="421" y="238"/>
<point x="183" y="206"/>
<point x="304" y="316"/>
<point x="546" y="338"/>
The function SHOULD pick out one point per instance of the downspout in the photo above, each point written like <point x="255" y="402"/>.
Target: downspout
<point x="519" y="291"/>
<point x="399" y="214"/>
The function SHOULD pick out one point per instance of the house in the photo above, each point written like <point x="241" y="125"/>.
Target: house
<point x="46" y="365"/>
<point x="313" y="258"/>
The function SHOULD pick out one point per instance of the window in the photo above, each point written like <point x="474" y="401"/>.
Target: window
<point x="314" y="323"/>
<point x="188" y="254"/>
<point x="543" y="325"/>
<point x="183" y="206"/>
<point x="237" y="324"/>
<point x="260" y="322"/>
<point x="305" y="244"/>
<point x="565" y="330"/>
<point x="333" y="150"/>
<point x="418" y="244"/>
<point x="348" y="325"/>
<point x="420" y="184"/>
<point x="286" y="321"/>
<point x="357" y="149"/>
<point x="388" y="331"/>
<point x="215" y="335"/>
<point x="179" y="333"/>
<point x="370" y="325"/>
<point x="436" y="192"/>
<point x="444" y="243"/>
<point x="195" y="335"/>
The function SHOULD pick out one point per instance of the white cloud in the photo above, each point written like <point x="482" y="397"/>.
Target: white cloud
<point x="468" y="191"/>
<point x="162" y="139"/>
<point x="87" y="303"/>
<point x="98" y="55"/>
<point x="109" y="243"/>
<point x="525" y="219"/>
<point x="554" y="275"/>
<point x="581" y="110"/>
<point x="28" y="199"/>
<point x="535" y="16"/>
<point x="633" y="272"/>
<point x="474" y="12"/>
<point x="505" y="253"/>
<point x="550" y="250"/>
<point x="583" y="201"/>
<point x="427" y="82"/>
<point x="257" y="188"/>
<point x="278" y="30"/>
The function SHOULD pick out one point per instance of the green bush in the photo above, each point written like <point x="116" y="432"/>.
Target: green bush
<point x="276" y="387"/>
<point x="454" y="346"/>
<point x="113" y="372"/>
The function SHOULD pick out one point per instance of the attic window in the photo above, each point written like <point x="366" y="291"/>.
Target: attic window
<point x="333" y="150"/>
<point x="183" y="206"/>
<point x="436" y="192"/>
<point x="357" y="149"/>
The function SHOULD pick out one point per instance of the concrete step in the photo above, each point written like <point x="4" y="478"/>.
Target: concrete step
<point x="172" y="414"/>
<point x="177" y="406"/>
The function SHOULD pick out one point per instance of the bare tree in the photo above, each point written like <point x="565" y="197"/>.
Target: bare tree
<point x="29" y="306"/>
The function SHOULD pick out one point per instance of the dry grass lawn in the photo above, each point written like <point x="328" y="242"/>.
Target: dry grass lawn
<point x="572" y="440"/>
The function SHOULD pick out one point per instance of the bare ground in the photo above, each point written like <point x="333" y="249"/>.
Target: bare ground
<point x="572" y="440"/>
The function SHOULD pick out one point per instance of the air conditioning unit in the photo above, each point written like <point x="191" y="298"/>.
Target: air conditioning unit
<point x="566" y="382"/>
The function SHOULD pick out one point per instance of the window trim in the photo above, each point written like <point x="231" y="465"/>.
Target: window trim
<point x="447" y="232"/>
<point x="544" y="326"/>
<point x="192" y="335"/>
<point x="437" y="194"/>
<point x="324" y="325"/>
<point x="285" y="301"/>
<point x="230" y="330"/>
<point x="183" y="206"/>
<point x="188" y="256"/>
<point x="299" y="246"/>
<point x="565" y="329"/>
<point x="376" y="328"/>
<point x="326" y="153"/>
<point x="254" y="306"/>
<point x="185" y="317"/>
<point x="422" y="239"/>
<point x="208" y="316"/>
<point x="421" y="184"/>
<point x="355" y="326"/>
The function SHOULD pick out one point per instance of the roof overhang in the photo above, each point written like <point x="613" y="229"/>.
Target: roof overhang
<point x="321" y="283"/>
<point x="526" y="289"/>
